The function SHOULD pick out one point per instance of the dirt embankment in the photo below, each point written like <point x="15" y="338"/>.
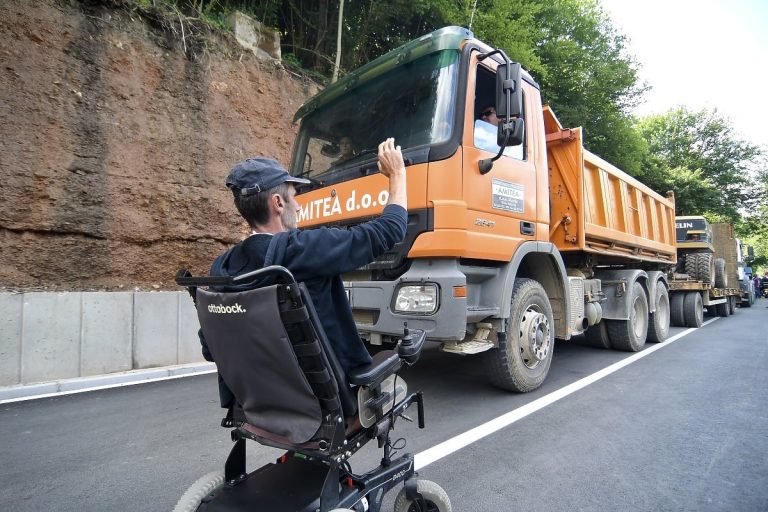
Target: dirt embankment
<point x="114" y="144"/>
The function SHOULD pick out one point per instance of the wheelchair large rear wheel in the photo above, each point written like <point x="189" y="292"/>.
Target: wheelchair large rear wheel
<point x="204" y="485"/>
<point x="435" y="498"/>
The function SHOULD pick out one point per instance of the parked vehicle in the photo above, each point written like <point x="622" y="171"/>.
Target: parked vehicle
<point x="514" y="239"/>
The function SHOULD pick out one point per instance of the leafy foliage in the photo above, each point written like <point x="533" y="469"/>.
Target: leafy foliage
<point x="696" y="155"/>
<point x="754" y="228"/>
<point x="589" y="78"/>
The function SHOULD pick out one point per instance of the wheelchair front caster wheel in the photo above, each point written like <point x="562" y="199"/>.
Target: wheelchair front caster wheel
<point x="199" y="490"/>
<point x="435" y="499"/>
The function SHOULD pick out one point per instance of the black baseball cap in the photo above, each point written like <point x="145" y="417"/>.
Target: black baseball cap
<point x="255" y="175"/>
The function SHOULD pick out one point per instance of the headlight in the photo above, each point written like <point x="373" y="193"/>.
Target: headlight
<point x="418" y="299"/>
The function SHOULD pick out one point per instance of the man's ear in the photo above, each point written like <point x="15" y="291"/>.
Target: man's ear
<point x="277" y="200"/>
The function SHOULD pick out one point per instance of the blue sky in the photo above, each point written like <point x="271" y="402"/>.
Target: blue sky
<point x="702" y="54"/>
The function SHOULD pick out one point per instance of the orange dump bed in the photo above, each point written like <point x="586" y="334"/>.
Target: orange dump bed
<point x="599" y="209"/>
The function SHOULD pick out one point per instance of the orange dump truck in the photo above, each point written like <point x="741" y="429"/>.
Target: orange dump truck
<point x="516" y="234"/>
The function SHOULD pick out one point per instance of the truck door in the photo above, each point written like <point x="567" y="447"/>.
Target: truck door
<point x="501" y="204"/>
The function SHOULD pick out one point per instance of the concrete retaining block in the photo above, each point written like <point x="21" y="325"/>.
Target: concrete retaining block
<point x="50" y="341"/>
<point x="107" y="338"/>
<point x="253" y="35"/>
<point x="11" y="307"/>
<point x="47" y="337"/>
<point x="155" y="329"/>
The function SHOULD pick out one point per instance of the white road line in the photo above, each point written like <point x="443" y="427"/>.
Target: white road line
<point x="460" y="441"/>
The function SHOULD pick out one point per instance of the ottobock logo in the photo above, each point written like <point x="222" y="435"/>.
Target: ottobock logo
<point x="218" y="308"/>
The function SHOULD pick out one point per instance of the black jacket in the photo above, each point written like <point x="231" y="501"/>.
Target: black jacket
<point x="317" y="257"/>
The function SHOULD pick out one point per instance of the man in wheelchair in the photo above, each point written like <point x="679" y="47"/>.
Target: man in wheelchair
<point x="293" y="372"/>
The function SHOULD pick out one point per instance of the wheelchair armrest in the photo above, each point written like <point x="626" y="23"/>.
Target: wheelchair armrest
<point x="384" y="364"/>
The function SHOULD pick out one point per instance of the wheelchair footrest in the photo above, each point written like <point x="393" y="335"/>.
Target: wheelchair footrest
<point x="295" y="484"/>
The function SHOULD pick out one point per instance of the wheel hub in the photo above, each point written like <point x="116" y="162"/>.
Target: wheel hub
<point x="534" y="337"/>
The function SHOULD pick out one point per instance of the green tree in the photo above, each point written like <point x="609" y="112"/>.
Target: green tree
<point x="590" y="80"/>
<point x="683" y="144"/>
<point x="754" y="228"/>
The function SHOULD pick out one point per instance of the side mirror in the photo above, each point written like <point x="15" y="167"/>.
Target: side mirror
<point x="330" y="150"/>
<point x="516" y="129"/>
<point x="509" y="90"/>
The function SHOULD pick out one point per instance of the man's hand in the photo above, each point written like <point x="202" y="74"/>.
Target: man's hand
<point x="390" y="158"/>
<point x="392" y="166"/>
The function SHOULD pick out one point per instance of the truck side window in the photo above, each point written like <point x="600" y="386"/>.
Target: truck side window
<point x="486" y="126"/>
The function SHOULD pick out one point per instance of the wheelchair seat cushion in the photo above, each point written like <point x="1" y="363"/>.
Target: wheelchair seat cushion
<point x="257" y="361"/>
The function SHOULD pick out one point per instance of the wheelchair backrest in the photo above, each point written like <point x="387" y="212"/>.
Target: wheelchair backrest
<point x="269" y="354"/>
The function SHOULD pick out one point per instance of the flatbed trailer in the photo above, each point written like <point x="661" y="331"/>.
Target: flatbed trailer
<point x="689" y="298"/>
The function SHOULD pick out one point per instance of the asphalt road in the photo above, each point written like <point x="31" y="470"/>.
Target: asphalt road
<point x="684" y="428"/>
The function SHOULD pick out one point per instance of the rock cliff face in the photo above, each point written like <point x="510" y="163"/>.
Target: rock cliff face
<point x="115" y="143"/>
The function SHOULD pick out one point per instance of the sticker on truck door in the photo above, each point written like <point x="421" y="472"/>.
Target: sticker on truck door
<point x="507" y="196"/>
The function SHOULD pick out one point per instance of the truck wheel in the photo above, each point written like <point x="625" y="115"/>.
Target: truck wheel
<point x="204" y="485"/>
<point x="676" y="311"/>
<point x="658" y="321"/>
<point x="732" y="304"/>
<point x="435" y="498"/>
<point x="721" y="279"/>
<point x="701" y="267"/>
<point x="693" y="310"/>
<point x="630" y="334"/>
<point x="597" y="336"/>
<point x="723" y="309"/>
<point x="521" y="361"/>
<point x="707" y="267"/>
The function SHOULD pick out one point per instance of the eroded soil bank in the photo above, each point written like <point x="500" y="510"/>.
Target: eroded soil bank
<point x="115" y="143"/>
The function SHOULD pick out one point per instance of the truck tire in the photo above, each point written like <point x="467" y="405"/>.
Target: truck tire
<point x="658" y="321"/>
<point x="597" y="336"/>
<point x="676" y="311"/>
<point x="701" y="267"/>
<point x="693" y="310"/>
<point x="630" y="335"/>
<point x="732" y="304"/>
<point x="723" y="309"/>
<point x="721" y="279"/>
<point x="521" y="361"/>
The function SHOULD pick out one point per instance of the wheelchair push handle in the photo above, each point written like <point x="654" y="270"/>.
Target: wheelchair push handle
<point x="280" y="274"/>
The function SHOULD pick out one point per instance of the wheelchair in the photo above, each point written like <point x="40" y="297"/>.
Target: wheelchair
<point x="292" y="394"/>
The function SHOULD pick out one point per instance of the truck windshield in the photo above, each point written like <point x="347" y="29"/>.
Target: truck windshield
<point x="414" y="103"/>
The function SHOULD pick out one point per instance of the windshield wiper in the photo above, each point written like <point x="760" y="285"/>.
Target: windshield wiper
<point x="365" y="152"/>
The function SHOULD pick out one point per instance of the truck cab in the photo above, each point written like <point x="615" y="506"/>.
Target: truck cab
<point x="429" y="96"/>
<point x="693" y="234"/>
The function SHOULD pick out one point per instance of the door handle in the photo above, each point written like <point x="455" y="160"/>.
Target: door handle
<point x="527" y="228"/>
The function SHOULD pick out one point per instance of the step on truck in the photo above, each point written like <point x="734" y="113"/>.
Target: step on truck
<point x="706" y="275"/>
<point x="517" y="234"/>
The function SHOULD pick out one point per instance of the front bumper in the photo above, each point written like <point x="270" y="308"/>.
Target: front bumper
<point x="373" y="302"/>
